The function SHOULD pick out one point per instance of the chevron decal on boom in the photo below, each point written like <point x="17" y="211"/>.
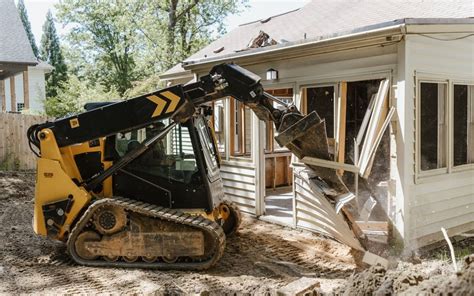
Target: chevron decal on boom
<point x="161" y="102"/>
<point x="160" y="105"/>
<point x="173" y="98"/>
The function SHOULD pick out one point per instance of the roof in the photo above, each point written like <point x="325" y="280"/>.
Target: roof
<point x="14" y="44"/>
<point x="321" y="18"/>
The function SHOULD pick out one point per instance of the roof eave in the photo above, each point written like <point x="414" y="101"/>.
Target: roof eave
<point x="292" y="48"/>
<point x="177" y="75"/>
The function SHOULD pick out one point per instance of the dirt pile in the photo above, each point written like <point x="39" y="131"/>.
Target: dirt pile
<point x="430" y="277"/>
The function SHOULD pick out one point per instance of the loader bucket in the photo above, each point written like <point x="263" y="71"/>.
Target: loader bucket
<point x="306" y="136"/>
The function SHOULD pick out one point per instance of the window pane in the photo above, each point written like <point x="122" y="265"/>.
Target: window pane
<point x="171" y="158"/>
<point x="219" y="122"/>
<point x="321" y="100"/>
<point x="463" y="125"/>
<point x="433" y="125"/>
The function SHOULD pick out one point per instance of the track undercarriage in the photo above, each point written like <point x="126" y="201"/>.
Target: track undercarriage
<point x="121" y="232"/>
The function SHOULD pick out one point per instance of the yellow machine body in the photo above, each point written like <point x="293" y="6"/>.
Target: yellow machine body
<point x="56" y="170"/>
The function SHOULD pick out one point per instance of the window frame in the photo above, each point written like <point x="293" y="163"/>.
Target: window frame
<point x="438" y="171"/>
<point x="270" y="130"/>
<point x="450" y="168"/>
<point x="467" y="166"/>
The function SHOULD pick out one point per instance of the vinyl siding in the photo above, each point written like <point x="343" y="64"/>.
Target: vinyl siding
<point x="239" y="183"/>
<point x="445" y="200"/>
<point x="314" y="212"/>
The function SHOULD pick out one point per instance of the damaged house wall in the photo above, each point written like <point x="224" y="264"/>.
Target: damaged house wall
<point x="418" y="203"/>
<point x="444" y="196"/>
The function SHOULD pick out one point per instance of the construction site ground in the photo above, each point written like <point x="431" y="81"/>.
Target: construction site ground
<point x="259" y="259"/>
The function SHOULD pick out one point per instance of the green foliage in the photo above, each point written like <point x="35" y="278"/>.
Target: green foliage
<point x="27" y="25"/>
<point x="74" y="94"/>
<point x="145" y="86"/>
<point x="117" y="43"/>
<point x="51" y="53"/>
<point x="102" y="34"/>
<point x="176" y="29"/>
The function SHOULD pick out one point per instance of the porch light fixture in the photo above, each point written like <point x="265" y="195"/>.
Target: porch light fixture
<point x="272" y="74"/>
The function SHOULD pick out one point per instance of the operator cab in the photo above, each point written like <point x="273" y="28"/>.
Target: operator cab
<point x="179" y="171"/>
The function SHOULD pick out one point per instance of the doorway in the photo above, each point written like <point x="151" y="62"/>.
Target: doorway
<point x="278" y="201"/>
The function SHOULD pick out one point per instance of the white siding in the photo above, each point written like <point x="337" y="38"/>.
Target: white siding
<point x="239" y="183"/>
<point x="37" y="86"/>
<point x="314" y="212"/>
<point x="446" y="200"/>
<point x="37" y="89"/>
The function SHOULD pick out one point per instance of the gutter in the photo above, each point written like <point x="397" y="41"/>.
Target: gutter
<point x="378" y="34"/>
<point x="295" y="49"/>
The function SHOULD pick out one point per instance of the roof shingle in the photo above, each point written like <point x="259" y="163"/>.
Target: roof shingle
<point x="14" y="44"/>
<point x="325" y="18"/>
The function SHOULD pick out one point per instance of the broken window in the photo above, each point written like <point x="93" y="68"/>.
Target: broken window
<point x="321" y="99"/>
<point x="432" y="124"/>
<point x="463" y="128"/>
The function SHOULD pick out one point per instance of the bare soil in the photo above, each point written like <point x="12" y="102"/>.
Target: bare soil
<point x="258" y="260"/>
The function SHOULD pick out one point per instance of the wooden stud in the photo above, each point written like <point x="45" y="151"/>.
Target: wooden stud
<point x="342" y="125"/>
<point x="232" y="129"/>
<point x="26" y="90"/>
<point x="329" y="164"/>
<point x="12" y="94"/>
<point x="2" y="96"/>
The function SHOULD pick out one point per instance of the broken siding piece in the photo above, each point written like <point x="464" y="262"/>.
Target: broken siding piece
<point x="375" y="125"/>
<point x="368" y="168"/>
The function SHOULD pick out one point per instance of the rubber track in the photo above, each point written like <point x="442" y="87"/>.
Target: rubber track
<point x="153" y="211"/>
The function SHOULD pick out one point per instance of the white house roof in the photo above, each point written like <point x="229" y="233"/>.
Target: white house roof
<point x="321" y="18"/>
<point x="14" y="44"/>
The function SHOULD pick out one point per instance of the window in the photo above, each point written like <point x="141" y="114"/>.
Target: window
<point x="433" y="125"/>
<point x="242" y="129"/>
<point x="286" y="95"/>
<point x="20" y="107"/>
<point x="463" y="124"/>
<point x="171" y="158"/>
<point x="218" y="120"/>
<point x="321" y="99"/>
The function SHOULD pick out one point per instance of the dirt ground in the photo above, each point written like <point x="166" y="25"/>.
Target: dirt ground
<point x="258" y="260"/>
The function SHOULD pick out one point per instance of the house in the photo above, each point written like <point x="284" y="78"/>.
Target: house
<point x="394" y="81"/>
<point x="22" y="81"/>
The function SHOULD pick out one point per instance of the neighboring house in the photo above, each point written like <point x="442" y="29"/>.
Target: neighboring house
<point x="22" y="82"/>
<point x="333" y="57"/>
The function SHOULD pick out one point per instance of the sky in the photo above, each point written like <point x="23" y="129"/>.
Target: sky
<point x="259" y="9"/>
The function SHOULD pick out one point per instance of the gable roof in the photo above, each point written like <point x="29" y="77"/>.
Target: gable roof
<point x="321" y="18"/>
<point x="14" y="44"/>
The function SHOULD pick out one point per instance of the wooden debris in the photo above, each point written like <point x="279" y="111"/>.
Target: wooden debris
<point x="299" y="287"/>
<point x="372" y="259"/>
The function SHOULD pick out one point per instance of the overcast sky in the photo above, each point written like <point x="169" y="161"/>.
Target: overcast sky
<point x="259" y="9"/>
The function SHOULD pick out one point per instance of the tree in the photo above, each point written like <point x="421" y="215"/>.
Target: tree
<point x="104" y="33"/>
<point x="117" y="43"/>
<point x="175" y="29"/>
<point x="74" y="94"/>
<point x="51" y="53"/>
<point x="27" y="25"/>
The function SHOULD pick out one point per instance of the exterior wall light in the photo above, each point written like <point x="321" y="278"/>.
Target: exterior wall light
<point x="272" y="74"/>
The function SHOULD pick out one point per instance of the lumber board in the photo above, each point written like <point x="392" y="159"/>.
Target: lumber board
<point x="342" y="125"/>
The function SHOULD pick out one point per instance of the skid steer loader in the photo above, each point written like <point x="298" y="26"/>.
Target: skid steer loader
<point x="136" y="183"/>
